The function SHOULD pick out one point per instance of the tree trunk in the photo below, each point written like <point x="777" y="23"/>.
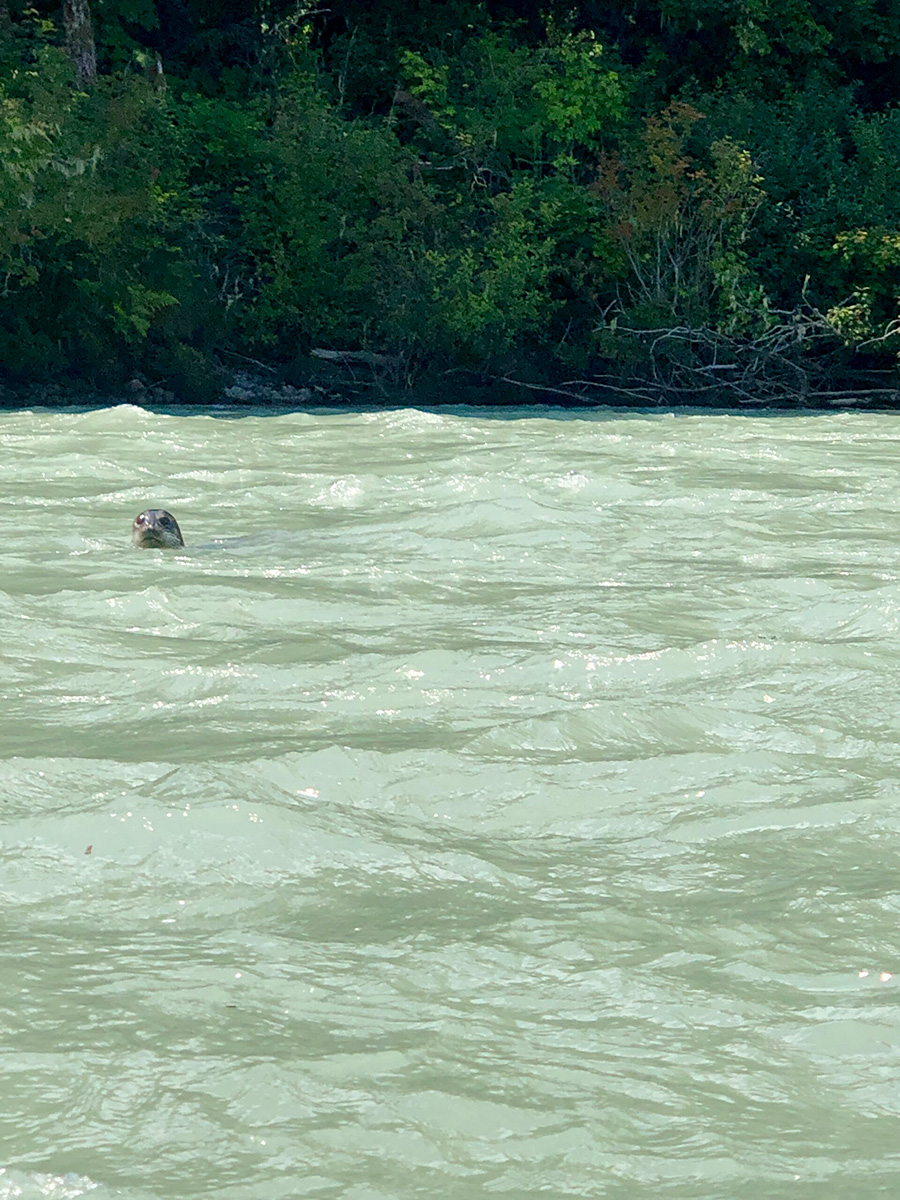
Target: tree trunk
<point x="80" y="40"/>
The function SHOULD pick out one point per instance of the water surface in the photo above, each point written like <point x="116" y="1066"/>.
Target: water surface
<point x="475" y="807"/>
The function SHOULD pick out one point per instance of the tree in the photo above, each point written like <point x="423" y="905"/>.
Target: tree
<point x="80" y="40"/>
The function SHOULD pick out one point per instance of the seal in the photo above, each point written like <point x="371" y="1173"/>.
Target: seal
<point x="155" y="528"/>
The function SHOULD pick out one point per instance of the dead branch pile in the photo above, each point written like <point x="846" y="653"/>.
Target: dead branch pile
<point x="798" y="361"/>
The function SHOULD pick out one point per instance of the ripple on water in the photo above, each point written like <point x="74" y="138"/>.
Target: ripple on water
<point x="475" y="806"/>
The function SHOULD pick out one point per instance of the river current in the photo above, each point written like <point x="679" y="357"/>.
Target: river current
<point x="479" y="805"/>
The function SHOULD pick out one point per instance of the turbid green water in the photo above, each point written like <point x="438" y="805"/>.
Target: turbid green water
<point x="476" y="807"/>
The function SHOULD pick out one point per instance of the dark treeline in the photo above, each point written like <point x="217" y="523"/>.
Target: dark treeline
<point x="650" y="200"/>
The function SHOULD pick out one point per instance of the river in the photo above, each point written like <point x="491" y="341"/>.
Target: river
<point x="479" y="805"/>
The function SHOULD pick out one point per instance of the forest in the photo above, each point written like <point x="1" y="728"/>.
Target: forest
<point x="643" y="202"/>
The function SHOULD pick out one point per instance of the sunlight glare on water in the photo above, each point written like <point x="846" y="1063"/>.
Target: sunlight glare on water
<point x="478" y="805"/>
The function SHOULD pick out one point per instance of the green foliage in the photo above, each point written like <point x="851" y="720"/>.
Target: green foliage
<point x="680" y="225"/>
<point x="427" y="234"/>
<point x="63" y="211"/>
<point x="492" y="107"/>
<point x="493" y="290"/>
<point x="828" y="221"/>
<point x="442" y="183"/>
<point x="853" y="319"/>
<point x="330" y="199"/>
<point x="102" y="225"/>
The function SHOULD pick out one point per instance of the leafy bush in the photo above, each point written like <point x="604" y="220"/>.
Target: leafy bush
<point x="444" y="184"/>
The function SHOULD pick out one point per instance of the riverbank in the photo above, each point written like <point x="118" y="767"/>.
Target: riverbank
<point x="239" y="388"/>
<point x="266" y="388"/>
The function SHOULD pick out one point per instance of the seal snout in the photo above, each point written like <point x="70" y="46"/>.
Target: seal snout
<point x="156" y="528"/>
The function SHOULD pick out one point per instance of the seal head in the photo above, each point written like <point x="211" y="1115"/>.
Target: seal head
<point x="156" y="528"/>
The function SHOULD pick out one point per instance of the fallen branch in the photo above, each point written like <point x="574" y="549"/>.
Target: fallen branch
<point x="361" y="356"/>
<point x="263" y="366"/>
